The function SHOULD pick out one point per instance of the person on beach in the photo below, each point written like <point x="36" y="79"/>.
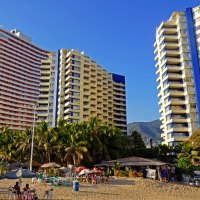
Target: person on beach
<point x="20" y="182"/>
<point x="164" y="174"/>
<point x="172" y="175"/>
<point x="48" y="194"/>
<point x="17" y="189"/>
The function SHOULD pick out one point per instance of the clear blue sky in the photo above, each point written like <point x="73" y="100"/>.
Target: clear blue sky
<point x="117" y="34"/>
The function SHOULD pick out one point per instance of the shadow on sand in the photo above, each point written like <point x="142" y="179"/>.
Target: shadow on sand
<point x="121" y="182"/>
<point x="100" y="193"/>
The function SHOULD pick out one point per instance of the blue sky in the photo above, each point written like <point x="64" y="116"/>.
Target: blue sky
<point x="117" y="34"/>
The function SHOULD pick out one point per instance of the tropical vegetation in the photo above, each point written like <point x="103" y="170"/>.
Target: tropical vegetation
<point x="85" y="143"/>
<point x="89" y="143"/>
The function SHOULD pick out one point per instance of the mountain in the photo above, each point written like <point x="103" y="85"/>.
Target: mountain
<point x="147" y="130"/>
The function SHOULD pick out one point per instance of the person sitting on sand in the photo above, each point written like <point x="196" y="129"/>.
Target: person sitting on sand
<point x="26" y="192"/>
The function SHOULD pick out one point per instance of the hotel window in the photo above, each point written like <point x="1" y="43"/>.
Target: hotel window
<point x="75" y="80"/>
<point x="75" y="87"/>
<point x="76" y="75"/>
<point x="163" y="59"/>
<point x="192" y="105"/>
<point x="168" y="117"/>
<point x="76" y="62"/>
<point x="75" y="114"/>
<point x="75" y="93"/>
<point x="76" y="57"/>
<point x="183" y="31"/>
<point x="75" y="107"/>
<point x="74" y="100"/>
<point x="167" y="108"/>
<point x="169" y="126"/>
<point x="76" y="68"/>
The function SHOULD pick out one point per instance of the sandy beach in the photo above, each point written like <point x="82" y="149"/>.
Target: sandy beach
<point x="116" y="188"/>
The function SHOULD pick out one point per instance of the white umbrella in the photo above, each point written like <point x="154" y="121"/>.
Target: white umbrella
<point x="84" y="171"/>
<point x="64" y="169"/>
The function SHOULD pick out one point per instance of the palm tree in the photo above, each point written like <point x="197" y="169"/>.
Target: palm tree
<point x="187" y="151"/>
<point x="7" y="144"/>
<point x="23" y="144"/>
<point x="94" y="130"/>
<point x="194" y="140"/>
<point x="77" y="145"/>
<point x="47" y="139"/>
<point x="111" y="142"/>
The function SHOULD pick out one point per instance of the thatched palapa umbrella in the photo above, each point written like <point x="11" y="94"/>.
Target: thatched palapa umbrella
<point x="46" y="166"/>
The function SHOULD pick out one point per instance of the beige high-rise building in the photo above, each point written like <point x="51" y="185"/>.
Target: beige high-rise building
<point x="86" y="89"/>
<point x="177" y="48"/>
<point x="48" y="90"/>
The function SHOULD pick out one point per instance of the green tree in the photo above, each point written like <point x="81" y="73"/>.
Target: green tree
<point x="194" y="140"/>
<point x="185" y="166"/>
<point x="48" y="141"/>
<point x="187" y="151"/>
<point x="136" y="140"/>
<point x="77" y="145"/>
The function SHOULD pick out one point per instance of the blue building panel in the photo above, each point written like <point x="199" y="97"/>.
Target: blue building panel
<point x="118" y="78"/>
<point x="194" y="57"/>
<point x="58" y="72"/>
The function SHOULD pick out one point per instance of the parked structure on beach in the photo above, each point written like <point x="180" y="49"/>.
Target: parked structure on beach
<point x="177" y="58"/>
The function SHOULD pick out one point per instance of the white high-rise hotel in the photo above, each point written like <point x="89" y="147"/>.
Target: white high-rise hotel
<point x="177" y="49"/>
<point x="20" y="62"/>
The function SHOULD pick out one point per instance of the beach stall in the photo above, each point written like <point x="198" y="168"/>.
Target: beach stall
<point x="150" y="166"/>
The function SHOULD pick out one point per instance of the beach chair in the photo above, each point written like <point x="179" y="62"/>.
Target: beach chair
<point x="12" y="193"/>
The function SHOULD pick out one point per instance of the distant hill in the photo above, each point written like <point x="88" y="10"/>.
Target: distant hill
<point x="147" y="130"/>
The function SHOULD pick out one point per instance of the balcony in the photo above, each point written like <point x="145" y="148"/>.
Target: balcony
<point x="176" y="92"/>
<point x="171" y="45"/>
<point x="179" y="120"/>
<point x="178" y="110"/>
<point x="173" y="68"/>
<point x="177" y="101"/>
<point x="170" y="30"/>
<point x="171" y="38"/>
<point x="175" y="84"/>
<point x="172" y="60"/>
<point x="180" y="129"/>
<point x="174" y="76"/>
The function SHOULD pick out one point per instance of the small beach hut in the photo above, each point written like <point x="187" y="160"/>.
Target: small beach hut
<point x="46" y="166"/>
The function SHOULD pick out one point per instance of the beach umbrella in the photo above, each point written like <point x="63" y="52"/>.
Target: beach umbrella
<point x="84" y="171"/>
<point x="28" y="174"/>
<point x="50" y="165"/>
<point x="79" y="169"/>
<point x="24" y="173"/>
<point x="64" y="169"/>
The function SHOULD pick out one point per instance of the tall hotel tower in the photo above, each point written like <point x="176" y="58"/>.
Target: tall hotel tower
<point x="20" y="62"/>
<point x="84" y="89"/>
<point x="177" y="49"/>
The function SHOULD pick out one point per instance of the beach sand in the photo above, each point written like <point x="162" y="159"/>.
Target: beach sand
<point x="116" y="188"/>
